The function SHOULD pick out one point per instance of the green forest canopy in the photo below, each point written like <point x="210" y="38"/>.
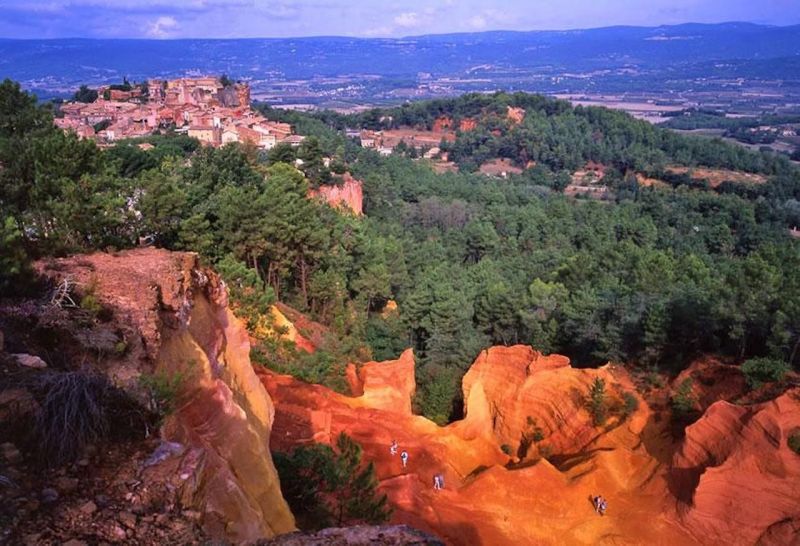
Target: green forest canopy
<point x="650" y="277"/>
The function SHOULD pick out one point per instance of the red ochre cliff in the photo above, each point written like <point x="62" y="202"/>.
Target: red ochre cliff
<point x="739" y="474"/>
<point x="348" y="195"/>
<point x="520" y="468"/>
<point x="533" y="407"/>
<point x="176" y="322"/>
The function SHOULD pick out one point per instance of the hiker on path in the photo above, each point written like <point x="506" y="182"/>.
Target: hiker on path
<point x="600" y="504"/>
<point x="393" y="448"/>
<point x="404" y="458"/>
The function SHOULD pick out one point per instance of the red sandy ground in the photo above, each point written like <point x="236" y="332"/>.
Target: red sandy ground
<point x="716" y="177"/>
<point x="493" y="499"/>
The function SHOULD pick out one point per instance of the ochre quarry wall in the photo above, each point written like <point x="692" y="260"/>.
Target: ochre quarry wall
<point x="349" y="195"/>
<point x="731" y="480"/>
<point x="385" y="385"/>
<point x="739" y="477"/>
<point x="178" y="324"/>
<point x="514" y="393"/>
<point x="490" y="497"/>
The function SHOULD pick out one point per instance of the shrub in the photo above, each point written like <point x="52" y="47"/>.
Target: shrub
<point x="683" y="401"/>
<point x="76" y="409"/>
<point x="534" y="432"/>
<point x="14" y="261"/>
<point x="597" y="402"/>
<point x="89" y="301"/>
<point x="163" y="389"/>
<point x="654" y="380"/>
<point x="630" y="403"/>
<point x="758" y="371"/>
<point x="326" y="487"/>
<point x="259" y="356"/>
<point x="505" y="448"/>
<point x="120" y="347"/>
<point x="794" y="441"/>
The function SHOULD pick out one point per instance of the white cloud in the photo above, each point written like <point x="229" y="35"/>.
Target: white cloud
<point x="162" y="27"/>
<point x="477" y="22"/>
<point x="407" y="20"/>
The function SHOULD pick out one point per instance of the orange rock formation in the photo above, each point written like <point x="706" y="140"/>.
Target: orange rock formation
<point x="493" y="498"/>
<point x="467" y="124"/>
<point x="388" y="386"/>
<point x="442" y="123"/>
<point x="445" y="123"/>
<point x="515" y="115"/>
<point x="178" y="324"/>
<point x="738" y="474"/>
<point x="349" y="195"/>
<point x="288" y="331"/>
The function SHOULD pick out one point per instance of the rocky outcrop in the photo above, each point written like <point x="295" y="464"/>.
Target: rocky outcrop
<point x="442" y="123"/>
<point x="180" y="331"/>
<point x="288" y="331"/>
<point x="348" y="195"/>
<point x="517" y="394"/>
<point x="738" y="476"/>
<point x="515" y="115"/>
<point x="445" y="123"/>
<point x="386" y="385"/>
<point x="467" y="124"/>
<point x="491" y="497"/>
<point x="711" y="380"/>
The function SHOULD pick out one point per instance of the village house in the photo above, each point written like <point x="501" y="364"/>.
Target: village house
<point x="203" y="108"/>
<point x="206" y="134"/>
<point x="294" y="140"/>
<point x="369" y="139"/>
<point x="248" y="136"/>
<point x="229" y="135"/>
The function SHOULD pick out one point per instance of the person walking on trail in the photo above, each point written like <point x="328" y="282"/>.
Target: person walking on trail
<point x="600" y="505"/>
<point x="438" y="482"/>
<point x="404" y="458"/>
<point x="393" y="448"/>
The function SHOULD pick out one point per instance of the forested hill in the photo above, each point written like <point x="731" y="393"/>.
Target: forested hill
<point x="650" y="276"/>
<point x="553" y="133"/>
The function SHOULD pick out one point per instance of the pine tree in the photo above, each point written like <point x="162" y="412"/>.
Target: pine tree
<point x="597" y="401"/>
<point x="326" y="486"/>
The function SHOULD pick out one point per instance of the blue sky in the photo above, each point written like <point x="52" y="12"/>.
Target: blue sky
<point x="267" y="18"/>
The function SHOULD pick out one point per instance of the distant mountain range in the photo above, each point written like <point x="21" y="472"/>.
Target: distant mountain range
<point x="509" y="59"/>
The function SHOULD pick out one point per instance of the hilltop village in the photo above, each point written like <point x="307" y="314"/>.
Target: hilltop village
<point x="213" y="110"/>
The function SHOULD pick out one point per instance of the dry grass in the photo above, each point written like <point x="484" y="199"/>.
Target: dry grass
<point x="75" y="409"/>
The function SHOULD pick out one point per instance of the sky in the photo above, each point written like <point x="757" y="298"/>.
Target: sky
<point x="165" y="19"/>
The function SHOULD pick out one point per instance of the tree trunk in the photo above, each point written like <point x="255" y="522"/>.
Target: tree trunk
<point x="273" y="280"/>
<point x="304" y="279"/>
<point x="794" y="352"/>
